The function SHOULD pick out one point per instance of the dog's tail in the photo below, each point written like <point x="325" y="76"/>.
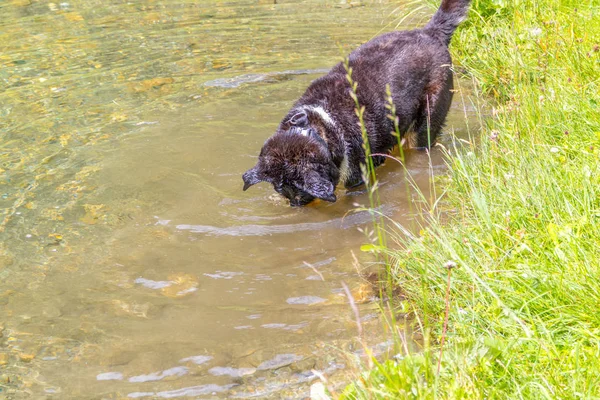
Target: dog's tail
<point x="444" y="22"/>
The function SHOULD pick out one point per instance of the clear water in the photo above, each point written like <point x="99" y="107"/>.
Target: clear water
<point x="132" y="265"/>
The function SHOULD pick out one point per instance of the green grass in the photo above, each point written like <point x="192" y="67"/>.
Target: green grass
<point x="520" y="217"/>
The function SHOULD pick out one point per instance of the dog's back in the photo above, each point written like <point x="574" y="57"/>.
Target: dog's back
<point x="416" y="65"/>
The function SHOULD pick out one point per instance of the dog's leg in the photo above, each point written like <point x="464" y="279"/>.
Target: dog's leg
<point x="434" y="109"/>
<point x="378" y="160"/>
<point x="356" y="156"/>
<point x="355" y="178"/>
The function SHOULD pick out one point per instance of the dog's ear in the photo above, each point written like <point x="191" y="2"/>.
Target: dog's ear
<point x="251" y="177"/>
<point x="300" y="120"/>
<point x="319" y="187"/>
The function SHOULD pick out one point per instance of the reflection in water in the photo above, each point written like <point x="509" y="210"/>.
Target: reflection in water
<point x="261" y="230"/>
<point x="196" y="359"/>
<point x="232" y="372"/>
<point x="253" y="78"/>
<point x="150" y="284"/>
<point x="305" y="300"/>
<point x="280" y="360"/>
<point x="110" y="376"/>
<point x="131" y="263"/>
<point x="157" y="376"/>
<point x="285" y="327"/>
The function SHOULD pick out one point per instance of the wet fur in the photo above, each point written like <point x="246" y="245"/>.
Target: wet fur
<point x="319" y="144"/>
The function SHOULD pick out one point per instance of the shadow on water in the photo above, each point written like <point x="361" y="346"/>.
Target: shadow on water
<point x="131" y="263"/>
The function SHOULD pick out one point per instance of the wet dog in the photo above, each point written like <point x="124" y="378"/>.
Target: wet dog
<point x="319" y="143"/>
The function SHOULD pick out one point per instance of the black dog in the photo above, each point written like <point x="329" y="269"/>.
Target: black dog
<point x="319" y="143"/>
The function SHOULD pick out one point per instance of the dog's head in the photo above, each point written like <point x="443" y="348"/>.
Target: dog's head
<point x="297" y="162"/>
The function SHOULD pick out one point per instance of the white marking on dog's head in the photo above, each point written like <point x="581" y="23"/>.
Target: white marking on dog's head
<point x="322" y="113"/>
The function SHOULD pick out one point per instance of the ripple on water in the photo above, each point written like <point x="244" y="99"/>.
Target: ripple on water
<point x="198" y="360"/>
<point x="157" y="376"/>
<point x="233" y="372"/>
<point x="223" y="274"/>
<point x="110" y="376"/>
<point x="239" y="80"/>
<point x="150" y="284"/>
<point x="265" y="230"/>
<point x="286" y="327"/>
<point x="280" y="360"/>
<point x="274" y="326"/>
<point x="262" y="277"/>
<point x="323" y="262"/>
<point x="306" y="300"/>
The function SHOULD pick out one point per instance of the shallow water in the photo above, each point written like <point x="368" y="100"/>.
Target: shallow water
<point x="131" y="263"/>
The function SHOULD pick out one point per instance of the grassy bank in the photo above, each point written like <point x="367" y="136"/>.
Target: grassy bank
<point x="521" y="221"/>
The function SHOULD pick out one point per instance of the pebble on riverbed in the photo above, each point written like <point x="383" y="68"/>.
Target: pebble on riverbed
<point x="183" y="285"/>
<point x="26" y="357"/>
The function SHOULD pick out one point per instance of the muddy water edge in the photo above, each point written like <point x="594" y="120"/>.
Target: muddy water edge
<point x="131" y="263"/>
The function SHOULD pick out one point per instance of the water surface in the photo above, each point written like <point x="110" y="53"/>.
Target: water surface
<point x="131" y="263"/>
